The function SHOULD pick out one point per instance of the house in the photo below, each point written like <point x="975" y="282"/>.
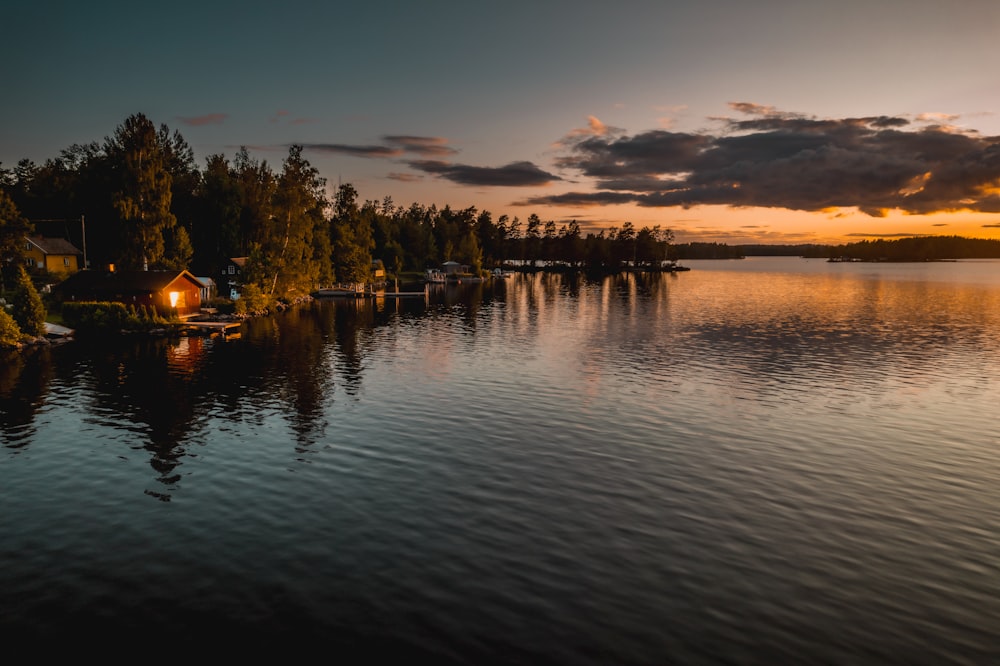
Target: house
<point x="167" y="291"/>
<point x="454" y="268"/>
<point x="55" y="255"/>
<point x="232" y="270"/>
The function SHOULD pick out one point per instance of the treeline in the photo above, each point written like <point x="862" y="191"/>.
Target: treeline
<point x="138" y="200"/>
<point x="918" y="248"/>
<point x="708" y="251"/>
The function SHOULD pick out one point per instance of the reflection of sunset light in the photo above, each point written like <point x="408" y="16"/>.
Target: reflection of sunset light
<point x="186" y="356"/>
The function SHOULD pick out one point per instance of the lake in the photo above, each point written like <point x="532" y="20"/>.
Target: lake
<point x="769" y="460"/>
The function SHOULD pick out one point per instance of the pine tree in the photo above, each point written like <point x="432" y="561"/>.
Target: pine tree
<point x="29" y="311"/>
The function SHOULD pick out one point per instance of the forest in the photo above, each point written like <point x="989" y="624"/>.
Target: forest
<point x="138" y="200"/>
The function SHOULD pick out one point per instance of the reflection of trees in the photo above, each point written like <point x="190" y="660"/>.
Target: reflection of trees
<point x="24" y="382"/>
<point x="134" y="386"/>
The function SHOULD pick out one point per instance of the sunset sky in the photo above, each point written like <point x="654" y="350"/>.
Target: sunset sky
<point x="776" y="121"/>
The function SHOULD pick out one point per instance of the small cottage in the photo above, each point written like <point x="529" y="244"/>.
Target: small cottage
<point x="167" y="291"/>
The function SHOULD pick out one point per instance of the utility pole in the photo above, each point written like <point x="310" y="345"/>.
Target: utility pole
<point x="83" y="232"/>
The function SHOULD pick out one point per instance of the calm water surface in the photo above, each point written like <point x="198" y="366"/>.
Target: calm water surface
<point x="759" y="461"/>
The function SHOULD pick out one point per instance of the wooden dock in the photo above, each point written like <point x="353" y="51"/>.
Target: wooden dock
<point x="223" y="328"/>
<point x="367" y="292"/>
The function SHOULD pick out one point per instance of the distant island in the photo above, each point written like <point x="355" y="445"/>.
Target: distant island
<point x="917" y="248"/>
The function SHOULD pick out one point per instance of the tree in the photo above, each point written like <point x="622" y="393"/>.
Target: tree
<point x="144" y="195"/>
<point x="299" y="245"/>
<point x="13" y="228"/>
<point x="533" y="239"/>
<point x="350" y="238"/>
<point x="178" y="249"/>
<point x="218" y="234"/>
<point x="28" y="311"/>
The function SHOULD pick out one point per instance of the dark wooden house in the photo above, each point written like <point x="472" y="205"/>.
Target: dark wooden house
<point x="167" y="291"/>
<point x="232" y="277"/>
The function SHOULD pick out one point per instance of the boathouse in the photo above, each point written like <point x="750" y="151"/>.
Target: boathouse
<point x="168" y="291"/>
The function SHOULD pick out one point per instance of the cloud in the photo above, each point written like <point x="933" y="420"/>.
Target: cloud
<point x="207" y="119"/>
<point x="428" y="146"/>
<point x="594" y="128"/>
<point x="393" y="146"/>
<point x="515" y="174"/>
<point x="770" y="158"/>
<point x="356" y="151"/>
<point x="991" y="226"/>
<point x="404" y="177"/>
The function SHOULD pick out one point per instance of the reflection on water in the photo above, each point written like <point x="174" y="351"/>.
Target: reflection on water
<point x="759" y="461"/>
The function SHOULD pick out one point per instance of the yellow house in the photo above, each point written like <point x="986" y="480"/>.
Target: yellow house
<point x="55" y="255"/>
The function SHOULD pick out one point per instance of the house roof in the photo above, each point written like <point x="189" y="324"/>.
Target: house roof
<point x="123" y="282"/>
<point x="53" y="245"/>
<point x="239" y="261"/>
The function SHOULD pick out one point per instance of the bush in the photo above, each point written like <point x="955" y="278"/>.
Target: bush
<point x="252" y="300"/>
<point x="95" y="316"/>
<point x="10" y="332"/>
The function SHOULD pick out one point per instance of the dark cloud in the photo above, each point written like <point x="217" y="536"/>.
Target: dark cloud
<point x="991" y="226"/>
<point x="356" y="151"/>
<point x="394" y="146"/>
<point x="404" y="177"/>
<point x="515" y="174"/>
<point x="207" y="119"/>
<point x="785" y="160"/>
<point x="429" y="146"/>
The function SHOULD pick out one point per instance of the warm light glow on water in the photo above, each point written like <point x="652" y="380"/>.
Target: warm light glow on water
<point x="758" y="461"/>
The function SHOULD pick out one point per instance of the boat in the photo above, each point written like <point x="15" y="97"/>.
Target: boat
<point x="435" y="276"/>
<point x="671" y="266"/>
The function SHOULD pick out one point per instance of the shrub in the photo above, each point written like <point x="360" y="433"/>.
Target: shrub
<point x="253" y="299"/>
<point x="10" y="332"/>
<point x="88" y="317"/>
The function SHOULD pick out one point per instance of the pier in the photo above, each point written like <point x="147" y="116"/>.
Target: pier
<point x="223" y="328"/>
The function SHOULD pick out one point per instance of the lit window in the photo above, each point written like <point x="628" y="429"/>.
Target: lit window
<point x="174" y="297"/>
